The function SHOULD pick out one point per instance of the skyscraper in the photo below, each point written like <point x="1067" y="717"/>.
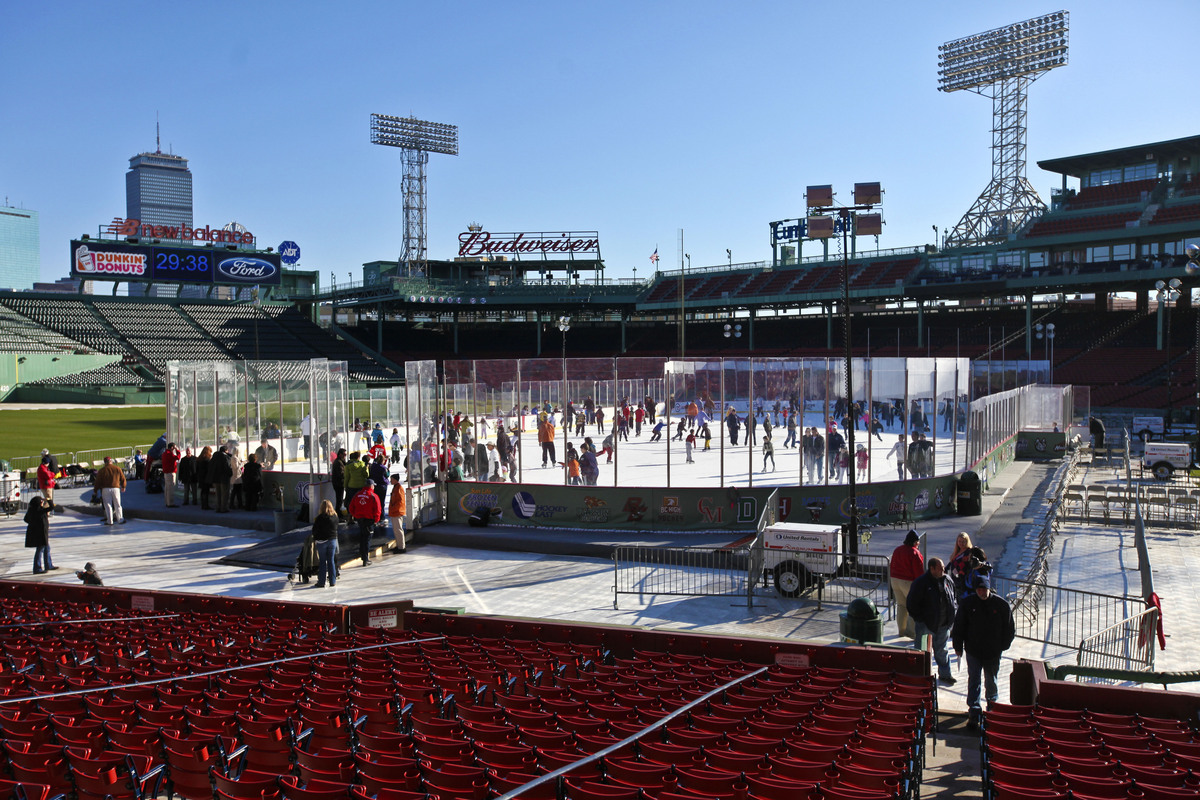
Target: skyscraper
<point x="20" y="248"/>
<point x="158" y="191"/>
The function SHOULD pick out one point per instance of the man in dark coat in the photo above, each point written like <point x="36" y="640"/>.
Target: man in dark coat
<point x="984" y="627"/>
<point x="220" y="470"/>
<point x="187" y="477"/>
<point x="931" y="603"/>
<point x="337" y="476"/>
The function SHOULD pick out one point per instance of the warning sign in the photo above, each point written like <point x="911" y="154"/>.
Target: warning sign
<point x="382" y="617"/>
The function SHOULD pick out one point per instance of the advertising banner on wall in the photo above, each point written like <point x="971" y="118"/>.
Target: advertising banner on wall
<point x="695" y="509"/>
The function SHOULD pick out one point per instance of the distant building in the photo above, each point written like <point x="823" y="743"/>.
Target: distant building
<point x="158" y="191"/>
<point x="20" y="248"/>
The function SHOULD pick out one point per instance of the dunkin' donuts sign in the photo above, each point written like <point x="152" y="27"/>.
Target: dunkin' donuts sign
<point x="127" y="264"/>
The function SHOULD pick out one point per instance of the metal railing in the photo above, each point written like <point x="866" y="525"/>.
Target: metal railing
<point x="1128" y="644"/>
<point x="738" y="572"/>
<point x="687" y="571"/>
<point x="1062" y="617"/>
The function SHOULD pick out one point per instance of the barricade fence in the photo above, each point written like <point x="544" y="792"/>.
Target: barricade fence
<point x="740" y="572"/>
<point x="1129" y="644"/>
<point x="1062" y="617"/>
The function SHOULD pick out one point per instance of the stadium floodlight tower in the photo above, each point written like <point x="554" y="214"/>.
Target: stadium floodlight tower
<point x="416" y="139"/>
<point x="1000" y="64"/>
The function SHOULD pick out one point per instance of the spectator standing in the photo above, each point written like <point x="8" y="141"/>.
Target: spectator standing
<point x="203" y="479"/>
<point x="170" y="467"/>
<point x="907" y="565"/>
<point x="46" y="481"/>
<point x="932" y="603"/>
<point x="983" y="627"/>
<point x="53" y="461"/>
<point x="959" y="564"/>
<point x="252" y="482"/>
<point x="110" y="482"/>
<point x="139" y="465"/>
<point x="325" y="537"/>
<point x="356" y="476"/>
<point x="397" y="508"/>
<point x="187" y="477"/>
<point x="337" y="476"/>
<point x="378" y="473"/>
<point x="37" y="534"/>
<point x="306" y="432"/>
<point x="1096" y="427"/>
<point x="266" y="454"/>
<point x="366" y="510"/>
<point x="220" y="473"/>
<point x="493" y="463"/>
<point x="237" y="495"/>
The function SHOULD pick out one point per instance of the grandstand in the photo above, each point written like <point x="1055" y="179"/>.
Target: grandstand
<point x="146" y="333"/>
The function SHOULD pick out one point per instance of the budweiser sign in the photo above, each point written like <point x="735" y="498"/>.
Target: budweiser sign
<point x="482" y="243"/>
<point x="134" y="227"/>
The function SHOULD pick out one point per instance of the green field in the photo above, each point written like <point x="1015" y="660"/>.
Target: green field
<point x="24" y="432"/>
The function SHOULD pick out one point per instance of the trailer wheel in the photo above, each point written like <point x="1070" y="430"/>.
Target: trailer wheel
<point x="792" y="578"/>
<point x="1163" y="471"/>
<point x="1146" y="435"/>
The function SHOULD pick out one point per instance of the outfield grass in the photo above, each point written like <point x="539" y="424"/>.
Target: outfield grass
<point x="24" y="432"/>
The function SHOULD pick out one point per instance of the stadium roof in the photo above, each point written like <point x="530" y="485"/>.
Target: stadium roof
<point x="1161" y="152"/>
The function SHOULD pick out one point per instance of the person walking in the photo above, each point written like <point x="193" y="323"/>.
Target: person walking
<point x="110" y="482"/>
<point x="790" y="441"/>
<point x="932" y="604"/>
<point x="325" y="537"/>
<point x="366" y="510"/>
<point x="187" y="477"/>
<point x="397" y="508"/>
<point x="906" y="566"/>
<point x="37" y="534"/>
<point x="170" y="468"/>
<point x="984" y="628"/>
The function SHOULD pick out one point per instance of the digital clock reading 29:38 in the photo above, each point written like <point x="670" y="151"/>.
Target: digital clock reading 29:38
<point x="182" y="265"/>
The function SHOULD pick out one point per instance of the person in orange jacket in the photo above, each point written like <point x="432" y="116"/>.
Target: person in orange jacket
<point x="397" y="508"/>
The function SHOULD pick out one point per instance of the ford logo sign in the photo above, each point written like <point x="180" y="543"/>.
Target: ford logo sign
<point x="246" y="269"/>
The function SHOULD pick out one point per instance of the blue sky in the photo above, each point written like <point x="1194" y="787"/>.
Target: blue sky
<point x="631" y="119"/>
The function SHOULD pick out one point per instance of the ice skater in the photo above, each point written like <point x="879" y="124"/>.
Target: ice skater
<point x="688" y="444"/>
<point x="656" y="434"/>
<point x="768" y="451"/>
<point x="862" y="458"/>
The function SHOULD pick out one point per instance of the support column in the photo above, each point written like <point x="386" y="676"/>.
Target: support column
<point x="1029" y="326"/>
<point x="750" y="328"/>
<point x="828" y="326"/>
<point x="920" y="324"/>
<point x="537" y="326"/>
<point x="379" y="328"/>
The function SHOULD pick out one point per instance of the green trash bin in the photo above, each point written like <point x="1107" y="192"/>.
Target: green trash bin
<point x="861" y="622"/>
<point x="970" y="495"/>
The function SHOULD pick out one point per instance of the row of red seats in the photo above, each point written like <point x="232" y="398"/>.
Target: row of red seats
<point x="1037" y="752"/>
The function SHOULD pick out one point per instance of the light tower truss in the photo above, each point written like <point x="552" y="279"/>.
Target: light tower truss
<point x="416" y="140"/>
<point x="1000" y="64"/>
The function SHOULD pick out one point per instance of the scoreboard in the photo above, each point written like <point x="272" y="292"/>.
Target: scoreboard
<point x="110" y="260"/>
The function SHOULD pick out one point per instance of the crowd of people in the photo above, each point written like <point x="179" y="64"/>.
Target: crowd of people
<point x="952" y="602"/>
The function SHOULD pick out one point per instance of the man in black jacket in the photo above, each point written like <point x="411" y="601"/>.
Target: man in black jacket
<point x="337" y="476"/>
<point x="984" y="627"/>
<point x="931" y="603"/>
